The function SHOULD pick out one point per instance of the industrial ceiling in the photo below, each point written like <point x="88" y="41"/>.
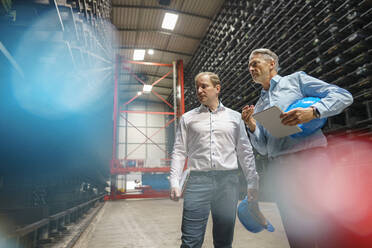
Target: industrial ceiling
<point x="138" y="24"/>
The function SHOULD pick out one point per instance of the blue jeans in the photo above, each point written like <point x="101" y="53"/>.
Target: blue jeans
<point x="216" y="192"/>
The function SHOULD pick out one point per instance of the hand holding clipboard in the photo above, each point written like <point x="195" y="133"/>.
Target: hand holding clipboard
<point x="270" y="120"/>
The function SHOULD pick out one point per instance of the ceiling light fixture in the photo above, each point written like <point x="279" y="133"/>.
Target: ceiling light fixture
<point x="150" y="51"/>
<point x="169" y="21"/>
<point x="139" y="54"/>
<point x="147" y="88"/>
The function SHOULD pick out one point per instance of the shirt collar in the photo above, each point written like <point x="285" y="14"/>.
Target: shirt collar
<point x="273" y="82"/>
<point x="204" y="108"/>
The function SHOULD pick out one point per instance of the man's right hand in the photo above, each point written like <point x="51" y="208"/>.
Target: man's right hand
<point x="247" y="114"/>
<point x="175" y="194"/>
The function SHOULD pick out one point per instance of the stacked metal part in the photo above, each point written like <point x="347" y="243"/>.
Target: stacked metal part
<point x="330" y="40"/>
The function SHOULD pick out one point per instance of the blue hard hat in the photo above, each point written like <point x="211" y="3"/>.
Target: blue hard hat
<point x="311" y="126"/>
<point x="248" y="216"/>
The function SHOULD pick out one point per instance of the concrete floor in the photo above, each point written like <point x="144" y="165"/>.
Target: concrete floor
<point x="155" y="223"/>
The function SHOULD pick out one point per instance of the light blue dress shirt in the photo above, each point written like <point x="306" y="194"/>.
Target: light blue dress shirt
<point x="283" y="92"/>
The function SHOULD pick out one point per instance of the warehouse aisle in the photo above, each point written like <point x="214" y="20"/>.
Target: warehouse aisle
<point x="155" y="223"/>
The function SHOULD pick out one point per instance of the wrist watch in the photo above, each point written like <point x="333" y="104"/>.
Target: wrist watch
<point x="315" y="112"/>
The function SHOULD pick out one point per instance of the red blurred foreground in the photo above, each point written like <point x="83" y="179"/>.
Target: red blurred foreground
<point x="347" y="191"/>
<point x="338" y="190"/>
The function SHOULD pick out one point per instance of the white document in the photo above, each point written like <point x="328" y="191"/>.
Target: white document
<point x="270" y="120"/>
<point x="184" y="177"/>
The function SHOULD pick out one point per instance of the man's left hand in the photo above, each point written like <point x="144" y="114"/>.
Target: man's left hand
<point x="297" y="116"/>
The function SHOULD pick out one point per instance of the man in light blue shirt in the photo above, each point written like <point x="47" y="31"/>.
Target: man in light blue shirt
<point x="282" y="92"/>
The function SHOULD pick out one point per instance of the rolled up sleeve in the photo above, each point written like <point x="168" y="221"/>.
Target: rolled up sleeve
<point x="333" y="98"/>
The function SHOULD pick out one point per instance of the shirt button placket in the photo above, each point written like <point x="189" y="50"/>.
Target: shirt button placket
<point x="212" y="141"/>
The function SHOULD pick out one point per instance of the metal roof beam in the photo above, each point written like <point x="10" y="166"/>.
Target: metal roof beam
<point x="160" y="31"/>
<point x="161" y="8"/>
<point x="155" y="49"/>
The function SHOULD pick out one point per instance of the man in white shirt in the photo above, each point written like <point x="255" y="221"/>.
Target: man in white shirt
<point x="213" y="139"/>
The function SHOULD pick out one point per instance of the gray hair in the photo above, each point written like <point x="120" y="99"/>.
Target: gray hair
<point x="267" y="54"/>
<point x="212" y="76"/>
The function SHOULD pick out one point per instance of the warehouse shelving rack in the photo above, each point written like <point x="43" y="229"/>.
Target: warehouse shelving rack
<point x="119" y="166"/>
<point x="330" y="40"/>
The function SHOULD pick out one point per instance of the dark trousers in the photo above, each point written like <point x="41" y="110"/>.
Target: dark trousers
<point x="216" y="192"/>
<point x="294" y="183"/>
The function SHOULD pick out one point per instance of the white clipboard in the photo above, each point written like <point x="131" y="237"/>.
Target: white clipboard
<point x="270" y="120"/>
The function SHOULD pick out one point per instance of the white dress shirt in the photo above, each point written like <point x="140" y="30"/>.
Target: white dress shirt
<point x="212" y="141"/>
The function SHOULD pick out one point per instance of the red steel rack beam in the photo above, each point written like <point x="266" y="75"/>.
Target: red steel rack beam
<point x="146" y="112"/>
<point x="146" y="63"/>
<point x="181" y="83"/>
